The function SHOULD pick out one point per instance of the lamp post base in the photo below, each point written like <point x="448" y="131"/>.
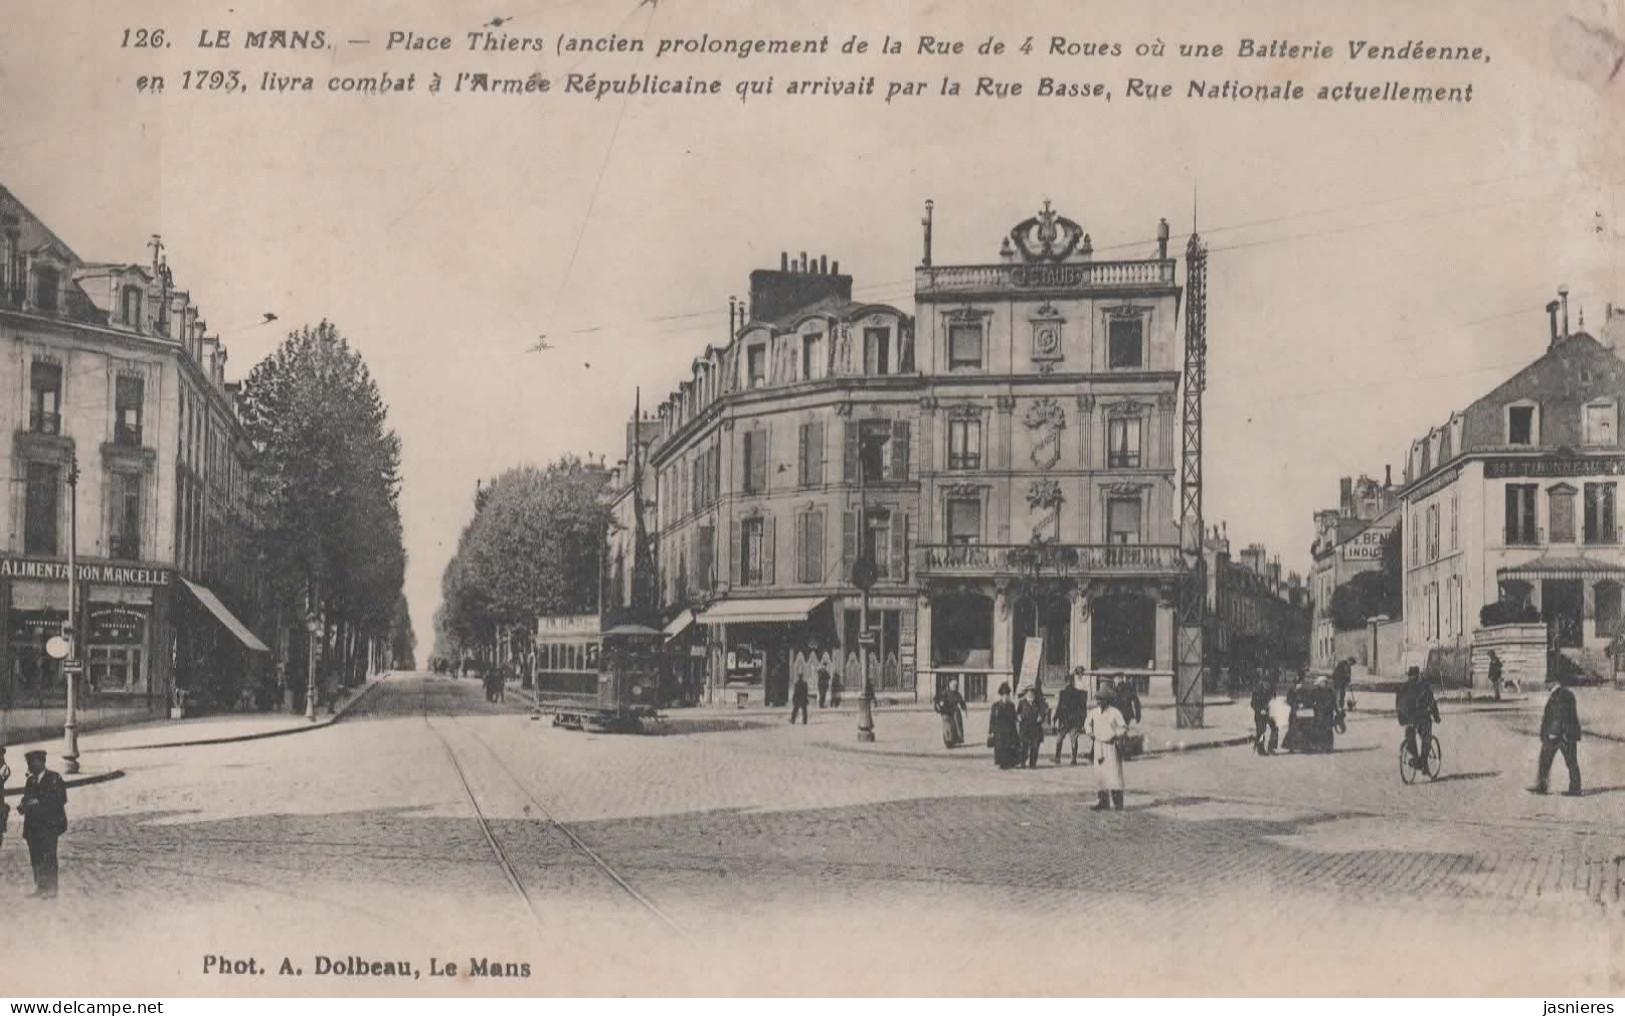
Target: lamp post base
<point x="866" y="720"/>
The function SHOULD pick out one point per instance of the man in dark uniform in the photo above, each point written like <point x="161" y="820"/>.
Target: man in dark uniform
<point x="798" y="700"/>
<point x="1559" y="731"/>
<point x="1071" y="709"/>
<point x="1418" y="712"/>
<point x="45" y="817"/>
<point x="1342" y="676"/>
<point x="823" y="686"/>
<point x="1495" y="674"/>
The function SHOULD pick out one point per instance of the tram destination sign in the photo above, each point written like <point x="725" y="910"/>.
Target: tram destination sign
<point x="105" y="574"/>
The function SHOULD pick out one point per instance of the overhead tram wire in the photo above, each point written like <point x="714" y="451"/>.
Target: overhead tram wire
<point x="878" y="291"/>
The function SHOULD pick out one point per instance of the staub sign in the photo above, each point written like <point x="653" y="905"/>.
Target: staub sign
<point x="106" y="574"/>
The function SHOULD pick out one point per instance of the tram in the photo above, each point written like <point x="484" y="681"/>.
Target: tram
<point x="605" y="680"/>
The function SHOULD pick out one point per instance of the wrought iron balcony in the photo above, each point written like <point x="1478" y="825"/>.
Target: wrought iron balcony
<point x="1060" y="560"/>
<point x="1520" y="536"/>
<point x="41" y="422"/>
<point x="1079" y="275"/>
<point x="127" y="434"/>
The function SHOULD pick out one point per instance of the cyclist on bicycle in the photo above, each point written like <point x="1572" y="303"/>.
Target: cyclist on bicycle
<point x="1418" y="712"/>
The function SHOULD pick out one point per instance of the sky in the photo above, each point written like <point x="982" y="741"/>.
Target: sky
<point x="1372" y="267"/>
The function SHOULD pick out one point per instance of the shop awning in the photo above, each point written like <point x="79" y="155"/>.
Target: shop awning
<point x="1553" y="566"/>
<point x="212" y="604"/>
<point x="679" y="624"/>
<point x="762" y="611"/>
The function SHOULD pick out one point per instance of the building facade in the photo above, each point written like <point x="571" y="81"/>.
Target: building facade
<point x="1348" y="541"/>
<point x="1258" y="615"/>
<point x="1048" y="458"/>
<point x="125" y="443"/>
<point x="1515" y="500"/>
<point x="785" y="455"/>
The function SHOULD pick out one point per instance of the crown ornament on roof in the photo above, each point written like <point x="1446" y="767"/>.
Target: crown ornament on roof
<point x="1047" y="236"/>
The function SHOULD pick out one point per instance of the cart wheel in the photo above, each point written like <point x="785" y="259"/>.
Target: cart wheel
<point x="1407" y="772"/>
<point x="1434" y="763"/>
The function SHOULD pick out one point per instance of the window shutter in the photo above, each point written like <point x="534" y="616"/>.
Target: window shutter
<point x="899" y="450"/>
<point x="813" y="550"/>
<point x="735" y="546"/>
<point x="747" y="483"/>
<point x="898" y="570"/>
<point x="758" y="463"/>
<point x="851" y="442"/>
<point x="849" y="539"/>
<point x="815" y="452"/>
<point x="803" y="463"/>
<point x="767" y="550"/>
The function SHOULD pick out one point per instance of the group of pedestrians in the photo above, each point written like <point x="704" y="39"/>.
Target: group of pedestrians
<point x="829" y="694"/>
<point x="1016" y="729"/>
<point x="44" y="807"/>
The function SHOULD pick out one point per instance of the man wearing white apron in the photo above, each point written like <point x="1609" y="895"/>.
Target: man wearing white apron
<point x="1107" y="728"/>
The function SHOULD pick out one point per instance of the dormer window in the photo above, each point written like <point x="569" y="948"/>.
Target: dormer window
<point x="1523" y="425"/>
<point x="756" y="366"/>
<point x="130" y="307"/>
<point x="877" y="350"/>
<point x="47" y="282"/>
<point x="812" y="357"/>
<point x="1601" y="423"/>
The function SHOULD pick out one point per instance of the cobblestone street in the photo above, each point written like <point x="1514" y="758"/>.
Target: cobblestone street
<point x="743" y="855"/>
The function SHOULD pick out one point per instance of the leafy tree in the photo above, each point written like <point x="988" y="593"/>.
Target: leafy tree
<point x="326" y="492"/>
<point x="534" y="548"/>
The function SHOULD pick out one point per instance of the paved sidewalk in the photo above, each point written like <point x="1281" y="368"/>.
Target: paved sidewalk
<point x="201" y="730"/>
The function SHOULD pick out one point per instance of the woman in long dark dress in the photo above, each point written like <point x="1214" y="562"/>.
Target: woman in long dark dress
<point x="1003" y="731"/>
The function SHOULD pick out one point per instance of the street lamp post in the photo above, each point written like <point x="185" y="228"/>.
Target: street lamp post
<point x="313" y="624"/>
<point x="864" y="578"/>
<point x="71" y="665"/>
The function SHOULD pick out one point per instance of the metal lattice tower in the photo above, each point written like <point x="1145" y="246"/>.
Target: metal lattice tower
<point x="1191" y="633"/>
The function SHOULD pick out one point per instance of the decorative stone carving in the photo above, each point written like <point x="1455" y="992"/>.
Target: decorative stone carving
<point x="1046" y="236"/>
<point x="1125" y="489"/>
<point x="963" y="489"/>
<point x="1006" y="403"/>
<point x="1126" y="310"/>
<point x="929" y="404"/>
<point x="1165" y="401"/>
<point x="1047" y="329"/>
<point x="1044" y="499"/>
<point x="843" y="409"/>
<point x="1086" y="403"/>
<point x="1128" y="407"/>
<point x="966" y="411"/>
<point x="1048" y="419"/>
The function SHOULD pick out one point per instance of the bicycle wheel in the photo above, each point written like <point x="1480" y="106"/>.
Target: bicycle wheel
<point x="1407" y="771"/>
<point x="1435" y="760"/>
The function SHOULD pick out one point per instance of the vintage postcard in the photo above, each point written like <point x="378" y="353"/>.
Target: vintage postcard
<point x="729" y="497"/>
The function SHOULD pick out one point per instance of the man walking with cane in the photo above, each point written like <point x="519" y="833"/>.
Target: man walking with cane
<point x="1559" y="731"/>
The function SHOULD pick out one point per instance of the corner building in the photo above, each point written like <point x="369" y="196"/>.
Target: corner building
<point x="783" y="453"/>
<point x="108" y="367"/>
<point x="1048" y="459"/>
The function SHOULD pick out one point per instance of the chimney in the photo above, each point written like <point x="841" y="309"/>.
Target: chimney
<point x="926" y="222"/>
<point x="1346" y="495"/>
<point x="823" y="264"/>
<point x="1162" y="239"/>
<point x="1388" y="475"/>
<point x="733" y="309"/>
<point x="835" y="268"/>
<point x="1563" y="294"/>
<point x="1551" y="316"/>
<point x="803" y="261"/>
<point x="784" y="261"/>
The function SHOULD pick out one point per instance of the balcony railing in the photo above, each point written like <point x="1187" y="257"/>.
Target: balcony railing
<point x="127" y="434"/>
<point x="124" y="548"/>
<point x="41" y="422"/>
<point x="1073" y="275"/>
<point x="1049" y="559"/>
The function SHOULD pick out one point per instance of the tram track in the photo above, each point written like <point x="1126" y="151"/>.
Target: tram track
<point x="503" y="859"/>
